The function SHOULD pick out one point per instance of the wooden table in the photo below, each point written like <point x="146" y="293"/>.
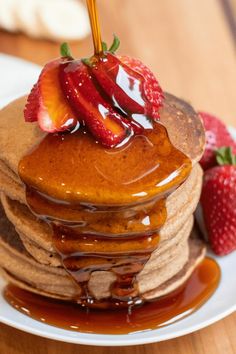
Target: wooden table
<point x="190" y="47"/>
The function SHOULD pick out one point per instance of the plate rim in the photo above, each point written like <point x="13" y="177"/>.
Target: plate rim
<point x="119" y="339"/>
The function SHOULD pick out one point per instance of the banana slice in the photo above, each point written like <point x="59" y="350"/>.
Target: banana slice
<point x="63" y="19"/>
<point x="26" y="17"/>
<point x="52" y="19"/>
<point x="7" y="15"/>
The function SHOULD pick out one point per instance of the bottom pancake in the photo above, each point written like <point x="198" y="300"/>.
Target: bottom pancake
<point x="196" y="255"/>
<point x="20" y="268"/>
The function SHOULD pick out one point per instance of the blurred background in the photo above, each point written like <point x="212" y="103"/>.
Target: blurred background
<point x="189" y="44"/>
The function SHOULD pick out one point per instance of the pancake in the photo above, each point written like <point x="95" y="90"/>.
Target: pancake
<point x="197" y="251"/>
<point x="51" y="258"/>
<point x="18" y="264"/>
<point x="184" y="127"/>
<point x="13" y="189"/>
<point x="37" y="235"/>
<point x="180" y="205"/>
<point x="8" y="172"/>
<point x="161" y="255"/>
<point x="196" y="255"/>
<point x="100" y="190"/>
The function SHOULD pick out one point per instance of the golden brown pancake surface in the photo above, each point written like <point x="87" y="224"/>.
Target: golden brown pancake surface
<point x="103" y="176"/>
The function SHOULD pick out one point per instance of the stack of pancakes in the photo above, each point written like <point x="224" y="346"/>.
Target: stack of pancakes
<point x="27" y="256"/>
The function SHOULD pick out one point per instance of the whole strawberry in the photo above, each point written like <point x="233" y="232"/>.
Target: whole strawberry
<point x="217" y="136"/>
<point x="218" y="202"/>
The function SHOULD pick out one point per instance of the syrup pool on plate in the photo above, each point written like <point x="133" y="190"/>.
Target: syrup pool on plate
<point x="168" y="309"/>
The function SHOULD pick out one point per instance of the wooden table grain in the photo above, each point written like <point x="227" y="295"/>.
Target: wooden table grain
<point x="190" y="46"/>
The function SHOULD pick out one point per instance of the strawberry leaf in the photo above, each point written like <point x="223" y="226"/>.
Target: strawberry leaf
<point x="225" y="156"/>
<point x="115" y="45"/>
<point x="104" y="47"/>
<point x="87" y="61"/>
<point x="65" y="50"/>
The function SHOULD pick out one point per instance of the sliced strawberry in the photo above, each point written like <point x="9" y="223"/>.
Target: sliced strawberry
<point x="47" y="104"/>
<point x="112" y="96"/>
<point x="120" y="83"/>
<point x="32" y="105"/>
<point x="151" y="87"/>
<point x="217" y="135"/>
<point x="130" y="85"/>
<point x="108" y="126"/>
<point x="55" y="113"/>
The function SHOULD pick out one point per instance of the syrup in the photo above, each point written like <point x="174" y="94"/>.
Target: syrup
<point x="78" y="186"/>
<point x="96" y="32"/>
<point x="65" y="173"/>
<point x="152" y="315"/>
<point x="71" y="185"/>
<point x="72" y="169"/>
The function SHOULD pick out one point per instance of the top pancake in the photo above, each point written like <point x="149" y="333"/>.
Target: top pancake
<point x="17" y="138"/>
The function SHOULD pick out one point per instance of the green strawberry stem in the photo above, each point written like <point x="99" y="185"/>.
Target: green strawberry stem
<point x="225" y="156"/>
<point x="104" y="47"/>
<point x="65" y="50"/>
<point x="115" y="45"/>
<point x="87" y="61"/>
<point x="113" y="48"/>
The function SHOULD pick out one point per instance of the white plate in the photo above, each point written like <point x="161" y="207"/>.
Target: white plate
<point x="17" y="77"/>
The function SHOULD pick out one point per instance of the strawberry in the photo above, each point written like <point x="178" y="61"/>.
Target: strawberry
<point x="47" y="104"/>
<point x="217" y="136"/>
<point x="218" y="201"/>
<point x="32" y="105"/>
<point x="130" y="85"/>
<point x="109" y="95"/>
<point x="151" y="89"/>
<point x="114" y="97"/>
<point x="102" y="120"/>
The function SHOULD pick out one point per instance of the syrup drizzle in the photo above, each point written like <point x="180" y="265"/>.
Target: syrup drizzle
<point x="55" y="163"/>
<point x="95" y="26"/>
<point x="152" y="315"/>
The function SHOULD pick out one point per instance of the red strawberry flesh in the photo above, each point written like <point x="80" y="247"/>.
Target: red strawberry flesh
<point x="32" y="105"/>
<point x="152" y="92"/>
<point x="218" y="202"/>
<point x="47" y="104"/>
<point x="129" y="88"/>
<point x="114" y="97"/>
<point x="102" y="120"/>
<point x="217" y="135"/>
<point x="55" y="113"/>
